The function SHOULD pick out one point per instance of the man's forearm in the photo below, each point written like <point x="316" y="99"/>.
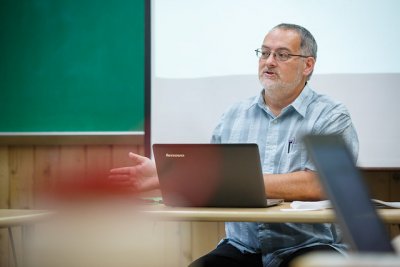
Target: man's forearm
<point x="301" y="185"/>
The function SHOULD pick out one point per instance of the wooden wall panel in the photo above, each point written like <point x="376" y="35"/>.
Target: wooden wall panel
<point x="4" y="203"/>
<point x="120" y="156"/>
<point x="72" y="162"/>
<point x="378" y="183"/>
<point x="186" y="255"/>
<point x="394" y="186"/>
<point x="21" y="164"/>
<point x="221" y="230"/>
<point x="172" y="251"/>
<point x="5" y="252"/>
<point x="394" y="193"/>
<point x="21" y="169"/>
<point x="4" y="178"/>
<point x="385" y="185"/>
<point x="98" y="161"/>
<point x="46" y="171"/>
<point x="205" y="237"/>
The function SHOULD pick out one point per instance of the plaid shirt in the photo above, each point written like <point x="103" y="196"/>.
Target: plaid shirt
<point x="279" y="139"/>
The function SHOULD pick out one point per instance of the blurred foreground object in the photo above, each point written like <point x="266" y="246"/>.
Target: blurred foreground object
<point x="352" y="260"/>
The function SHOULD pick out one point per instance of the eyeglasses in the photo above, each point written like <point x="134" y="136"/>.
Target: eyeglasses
<point x="280" y="55"/>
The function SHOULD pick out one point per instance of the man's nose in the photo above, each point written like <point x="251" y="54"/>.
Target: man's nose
<point x="271" y="59"/>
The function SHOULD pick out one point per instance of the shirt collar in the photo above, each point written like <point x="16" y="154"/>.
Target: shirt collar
<point x="300" y="104"/>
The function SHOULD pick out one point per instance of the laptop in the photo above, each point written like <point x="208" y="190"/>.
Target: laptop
<point x="211" y="175"/>
<point x="344" y="185"/>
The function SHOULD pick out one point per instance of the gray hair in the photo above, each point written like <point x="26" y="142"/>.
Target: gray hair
<point x="308" y="45"/>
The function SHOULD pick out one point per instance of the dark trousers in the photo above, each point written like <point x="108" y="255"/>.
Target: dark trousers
<point x="227" y="255"/>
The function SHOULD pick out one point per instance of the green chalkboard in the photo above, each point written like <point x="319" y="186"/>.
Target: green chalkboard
<point x="72" y="65"/>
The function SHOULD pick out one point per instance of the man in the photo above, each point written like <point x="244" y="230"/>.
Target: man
<point x="276" y="120"/>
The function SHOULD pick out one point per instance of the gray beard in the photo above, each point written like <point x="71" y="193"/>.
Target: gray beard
<point x="281" y="88"/>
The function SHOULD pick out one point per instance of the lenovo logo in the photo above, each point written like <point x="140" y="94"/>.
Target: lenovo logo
<point x="174" y="155"/>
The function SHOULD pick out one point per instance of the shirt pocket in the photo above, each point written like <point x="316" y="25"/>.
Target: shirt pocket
<point x="295" y="156"/>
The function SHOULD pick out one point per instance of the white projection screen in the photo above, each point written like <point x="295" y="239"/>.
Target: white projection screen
<point x="203" y="61"/>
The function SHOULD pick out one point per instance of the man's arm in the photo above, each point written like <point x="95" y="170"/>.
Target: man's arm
<point x="300" y="185"/>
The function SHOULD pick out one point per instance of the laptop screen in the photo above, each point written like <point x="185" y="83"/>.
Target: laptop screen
<point x="210" y="175"/>
<point x="345" y="187"/>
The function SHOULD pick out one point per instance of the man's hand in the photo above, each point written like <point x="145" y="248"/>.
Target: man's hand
<point x="141" y="176"/>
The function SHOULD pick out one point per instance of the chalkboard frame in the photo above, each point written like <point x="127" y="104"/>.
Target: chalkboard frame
<point x="72" y="138"/>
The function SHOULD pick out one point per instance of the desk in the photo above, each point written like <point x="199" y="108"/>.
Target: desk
<point x="270" y="215"/>
<point x="23" y="218"/>
<point x="116" y="227"/>
<point x="15" y="217"/>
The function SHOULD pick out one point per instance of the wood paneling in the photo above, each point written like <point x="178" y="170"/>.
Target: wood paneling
<point x="120" y="155"/>
<point x="4" y="203"/>
<point x="4" y="178"/>
<point x="46" y="170"/>
<point x="72" y="162"/>
<point x="394" y="190"/>
<point x="384" y="184"/>
<point x="21" y="166"/>
<point x="98" y="161"/>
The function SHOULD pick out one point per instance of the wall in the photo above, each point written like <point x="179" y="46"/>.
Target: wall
<point x="204" y="52"/>
<point x="193" y="116"/>
<point x="207" y="38"/>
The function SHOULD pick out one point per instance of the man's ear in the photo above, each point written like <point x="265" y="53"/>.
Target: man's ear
<point x="310" y="62"/>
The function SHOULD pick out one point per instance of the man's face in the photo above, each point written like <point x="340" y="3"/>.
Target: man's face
<point x="282" y="75"/>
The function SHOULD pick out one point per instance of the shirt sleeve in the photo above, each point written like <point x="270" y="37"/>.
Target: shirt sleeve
<point x="216" y="136"/>
<point x="338" y="124"/>
<point x="222" y="129"/>
<point x="217" y="133"/>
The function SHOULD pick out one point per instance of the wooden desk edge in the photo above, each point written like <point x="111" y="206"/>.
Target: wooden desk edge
<point x="270" y="215"/>
<point x="19" y="217"/>
<point x="10" y="217"/>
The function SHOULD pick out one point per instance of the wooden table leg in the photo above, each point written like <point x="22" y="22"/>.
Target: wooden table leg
<point x="10" y="233"/>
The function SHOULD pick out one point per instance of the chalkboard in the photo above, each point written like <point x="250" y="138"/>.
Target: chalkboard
<point x="72" y="66"/>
